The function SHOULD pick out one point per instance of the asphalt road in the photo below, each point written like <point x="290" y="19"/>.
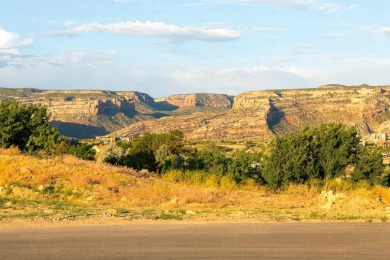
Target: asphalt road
<point x="199" y="241"/>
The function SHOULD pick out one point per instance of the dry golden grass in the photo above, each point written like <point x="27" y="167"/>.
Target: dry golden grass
<point x="383" y="193"/>
<point x="69" y="179"/>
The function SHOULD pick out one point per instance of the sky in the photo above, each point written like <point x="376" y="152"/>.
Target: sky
<point x="196" y="46"/>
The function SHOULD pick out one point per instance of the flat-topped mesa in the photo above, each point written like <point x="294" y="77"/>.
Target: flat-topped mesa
<point x="198" y="100"/>
<point x="295" y="96"/>
<point x="253" y="99"/>
<point x="293" y="109"/>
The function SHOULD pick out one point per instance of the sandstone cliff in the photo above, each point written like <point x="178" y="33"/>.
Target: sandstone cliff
<point x="217" y="125"/>
<point x="258" y="114"/>
<point x="198" y="100"/>
<point x="365" y="107"/>
<point x="88" y="113"/>
<point x="251" y="115"/>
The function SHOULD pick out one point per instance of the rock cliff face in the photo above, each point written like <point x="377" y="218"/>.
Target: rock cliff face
<point x="364" y="107"/>
<point x="251" y="115"/>
<point x="198" y="100"/>
<point x="88" y="113"/>
<point x="217" y="125"/>
<point x="259" y="114"/>
<point x="138" y="97"/>
<point x="84" y="114"/>
<point x="62" y="108"/>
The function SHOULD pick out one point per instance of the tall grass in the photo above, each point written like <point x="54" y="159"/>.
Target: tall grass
<point x="69" y="179"/>
<point x="201" y="179"/>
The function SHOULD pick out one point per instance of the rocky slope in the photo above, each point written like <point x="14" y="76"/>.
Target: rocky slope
<point x="89" y="113"/>
<point x="217" y="125"/>
<point x="198" y="100"/>
<point x="251" y="115"/>
<point x="259" y="114"/>
<point x="365" y="107"/>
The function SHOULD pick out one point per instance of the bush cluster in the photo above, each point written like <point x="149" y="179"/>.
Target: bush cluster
<point x="311" y="155"/>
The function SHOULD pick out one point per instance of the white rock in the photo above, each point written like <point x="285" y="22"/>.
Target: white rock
<point x="190" y="212"/>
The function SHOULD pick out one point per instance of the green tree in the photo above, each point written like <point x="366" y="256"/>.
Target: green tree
<point x="338" y="147"/>
<point x="74" y="147"/>
<point x="244" y="165"/>
<point x="369" y="166"/>
<point x="311" y="153"/>
<point x="152" y="151"/>
<point x="26" y="126"/>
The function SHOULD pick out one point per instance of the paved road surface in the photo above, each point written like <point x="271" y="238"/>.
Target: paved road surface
<point x="189" y="241"/>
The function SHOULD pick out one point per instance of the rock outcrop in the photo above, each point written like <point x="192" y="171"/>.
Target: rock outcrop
<point x="365" y="107"/>
<point x="251" y="115"/>
<point x="198" y="100"/>
<point x="88" y="113"/>
<point x="217" y="125"/>
<point x="258" y="114"/>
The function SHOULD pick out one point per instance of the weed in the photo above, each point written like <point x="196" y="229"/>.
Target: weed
<point x="316" y="215"/>
<point x="122" y="210"/>
<point x="147" y="212"/>
<point x="172" y="215"/>
<point x="347" y="217"/>
<point x="8" y="190"/>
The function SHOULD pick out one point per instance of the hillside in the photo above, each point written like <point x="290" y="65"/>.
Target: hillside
<point x="249" y="115"/>
<point x="258" y="114"/>
<point x="89" y="113"/>
<point x="69" y="189"/>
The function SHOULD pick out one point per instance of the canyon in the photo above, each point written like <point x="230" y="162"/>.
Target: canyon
<point x="247" y="116"/>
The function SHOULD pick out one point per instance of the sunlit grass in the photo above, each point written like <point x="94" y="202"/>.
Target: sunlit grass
<point x="29" y="185"/>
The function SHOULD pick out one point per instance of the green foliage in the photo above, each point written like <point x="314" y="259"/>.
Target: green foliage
<point x="311" y="156"/>
<point x="111" y="154"/>
<point x="74" y="147"/>
<point x="369" y="166"/>
<point x="311" y="153"/>
<point x="26" y="126"/>
<point x="243" y="166"/>
<point x="386" y="180"/>
<point x="338" y="147"/>
<point x="150" y="151"/>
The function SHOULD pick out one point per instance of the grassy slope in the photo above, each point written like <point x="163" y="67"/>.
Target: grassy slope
<point x="69" y="188"/>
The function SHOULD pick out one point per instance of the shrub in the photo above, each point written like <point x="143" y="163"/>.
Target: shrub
<point x="311" y="153"/>
<point x="26" y="126"/>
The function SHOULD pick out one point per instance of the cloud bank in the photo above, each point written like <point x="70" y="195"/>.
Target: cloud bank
<point x="154" y="29"/>
<point x="10" y="42"/>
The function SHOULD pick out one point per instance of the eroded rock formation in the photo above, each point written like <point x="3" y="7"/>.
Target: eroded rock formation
<point x="258" y="114"/>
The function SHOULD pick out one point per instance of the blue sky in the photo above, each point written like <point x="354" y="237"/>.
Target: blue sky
<point x="213" y="46"/>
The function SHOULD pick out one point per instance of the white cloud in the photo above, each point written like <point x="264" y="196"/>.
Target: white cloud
<point x="383" y="31"/>
<point x="154" y="29"/>
<point x="54" y="22"/>
<point x="69" y="23"/>
<point x="352" y="7"/>
<point x="10" y="42"/>
<point x="316" y="5"/>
